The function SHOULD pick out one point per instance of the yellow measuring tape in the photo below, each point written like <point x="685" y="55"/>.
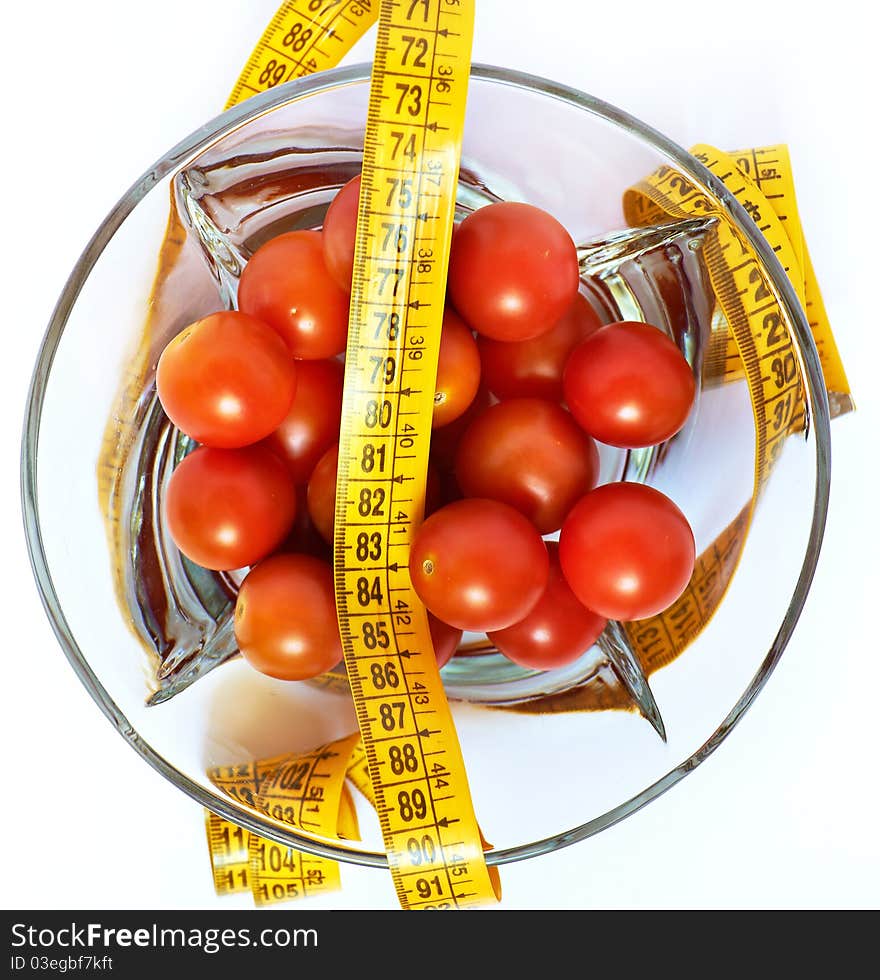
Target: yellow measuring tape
<point x="301" y="39"/>
<point x="412" y="146"/>
<point x="307" y="792"/>
<point x="763" y="181"/>
<point x="406" y="759"/>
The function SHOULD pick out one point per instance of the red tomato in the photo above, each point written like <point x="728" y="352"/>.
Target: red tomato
<point x="226" y="380"/>
<point x="530" y="454"/>
<point x="444" y="638"/>
<point x="340" y="227"/>
<point x="478" y="565"/>
<point x="626" y="551"/>
<point x="322" y="493"/>
<point x="312" y="424"/>
<point x="286" y="284"/>
<point x="513" y="271"/>
<point x="628" y="385"/>
<point x="227" y="508"/>
<point x="557" y="631"/>
<point x="458" y="371"/>
<point x="533" y="368"/>
<point x="285" y="618"/>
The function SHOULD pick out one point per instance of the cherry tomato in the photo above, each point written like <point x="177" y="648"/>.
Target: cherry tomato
<point x="557" y="631"/>
<point x="626" y="551"/>
<point x="312" y="424"/>
<point x="533" y="368"/>
<point x="226" y="380"/>
<point x="513" y="271"/>
<point x="322" y="493"/>
<point x="530" y="454"/>
<point x="286" y="284"/>
<point x="458" y="371"/>
<point x="444" y="638"/>
<point x="340" y="228"/>
<point x="628" y="385"/>
<point x="285" y="618"/>
<point x="478" y="565"/>
<point x="227" y="508"/>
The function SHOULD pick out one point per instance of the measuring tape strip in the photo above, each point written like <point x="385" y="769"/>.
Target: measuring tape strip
<point x="769" y="168"/>
<point x="306" y="791"/>
<point x="762" y="180"/>
<point x="745" y="294"/>
<point x="301" y="39"/>
<point x="412" y="147"/>
<point x="242" y="861"/>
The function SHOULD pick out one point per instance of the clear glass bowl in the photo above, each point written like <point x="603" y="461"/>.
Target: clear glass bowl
<point x="541" y="777"/>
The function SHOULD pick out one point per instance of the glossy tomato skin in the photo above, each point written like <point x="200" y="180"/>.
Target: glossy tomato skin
<point x="285" y="618"/>
<point x="557" y="630"/>
<point x="226" y="380"/>
<point x="311" y="425"/>
<point x="228" y="508"/>
<point x="287" y="285"/>
<point x="321" y="494"/>
<point x="458" y="371"/>
<point x="626" y="551"/>
<point x="513" y="271"/>
<point x="444" y="639"/>
<point x="338" y="234"/>
<point x="533" y="368"/>
<point x="478" y="565"/>
<point x="628" y="385"/>
<point x="530" y="454"/>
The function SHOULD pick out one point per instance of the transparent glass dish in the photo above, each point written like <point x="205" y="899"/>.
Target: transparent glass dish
<point x="542" y="777"/>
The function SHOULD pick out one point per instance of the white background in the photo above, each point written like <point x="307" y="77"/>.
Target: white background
<point x="786" y="813"/>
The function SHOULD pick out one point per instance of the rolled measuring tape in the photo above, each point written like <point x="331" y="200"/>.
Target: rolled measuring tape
<point x="305" y="791"/>
<point x="405" y="758"/>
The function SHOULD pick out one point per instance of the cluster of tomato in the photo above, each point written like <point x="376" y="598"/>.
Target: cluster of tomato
<point x="528" y="380"/>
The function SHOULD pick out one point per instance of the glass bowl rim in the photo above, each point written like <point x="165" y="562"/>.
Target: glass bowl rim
<point x="224" y="124"/>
